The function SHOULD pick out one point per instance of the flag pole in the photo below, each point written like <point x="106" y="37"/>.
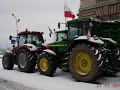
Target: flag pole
<point x="65" y="17"/>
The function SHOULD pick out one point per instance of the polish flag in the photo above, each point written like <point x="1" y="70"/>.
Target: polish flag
<point x="68" y="12"/>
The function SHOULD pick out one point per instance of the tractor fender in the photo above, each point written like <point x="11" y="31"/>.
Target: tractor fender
<point x="109" y="39"/>
<point x="50" y="52"/>
<point x="30" y="47"/>
<point x="85" y="39"/>
<point x="90" y="39"/>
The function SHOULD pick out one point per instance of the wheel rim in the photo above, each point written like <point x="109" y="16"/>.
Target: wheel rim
<point x="82" y="63"/>
<point x="22" y="60"/>
<point x="44" y="64"/>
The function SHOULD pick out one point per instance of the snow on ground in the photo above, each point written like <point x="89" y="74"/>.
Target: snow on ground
<point x="60" y="81"/>
<point x="1" y="56"/>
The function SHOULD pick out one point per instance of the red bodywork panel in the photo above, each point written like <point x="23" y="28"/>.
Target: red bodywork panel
<point x="28" y="32"/>
<point x="16" y="49"/>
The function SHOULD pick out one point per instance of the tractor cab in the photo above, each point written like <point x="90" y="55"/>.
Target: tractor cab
<point x="27" y="37"/>
<point x="61" y="35"/>
<point x="83" y="27"/>
<point x="29" y="40"/>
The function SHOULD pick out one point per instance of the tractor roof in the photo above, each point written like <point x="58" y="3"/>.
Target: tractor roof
<point x="114" y="21"/>
<point x="30" y="32"/>
<point x="84" y="19"/>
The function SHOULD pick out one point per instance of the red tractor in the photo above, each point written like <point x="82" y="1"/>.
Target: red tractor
<point x="25" y="54"/>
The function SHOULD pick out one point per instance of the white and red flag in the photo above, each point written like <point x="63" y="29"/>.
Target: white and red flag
<point x="68" y="13"/>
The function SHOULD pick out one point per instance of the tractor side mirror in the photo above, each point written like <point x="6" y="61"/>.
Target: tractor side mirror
<point x="59" y="25"/>
<point x="10" y="37"/>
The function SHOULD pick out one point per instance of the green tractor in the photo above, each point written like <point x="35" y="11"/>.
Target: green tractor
<point x="25" y="54"/>
<point x="80" y="50"/>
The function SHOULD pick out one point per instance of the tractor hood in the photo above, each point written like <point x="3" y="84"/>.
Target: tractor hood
<point x="57" y="43"/>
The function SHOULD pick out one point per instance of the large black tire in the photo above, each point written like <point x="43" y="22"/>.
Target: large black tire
<point x="7" y="61"/>
<point x="47" y="64"/>
<point x="113" y="64"/>
<point x="116" y="52"/>
<point x="26" y="62"/>
<point x="91" y="61"/>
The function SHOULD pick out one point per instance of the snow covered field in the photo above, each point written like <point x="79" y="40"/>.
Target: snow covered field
<point x="60" y="81"/>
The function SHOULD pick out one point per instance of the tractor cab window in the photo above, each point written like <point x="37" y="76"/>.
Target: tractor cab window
<point x="22" y="40"/>
<point x="73" y="31"/>
<point x="96" y="28"/>
<point x="86" y="27"/>
<point x="61" y="36"/>
<point x="29" y="38"/>
<point x="91" y="27"/>
<point x="79" y="29"/>
<point x="37" y="39"/>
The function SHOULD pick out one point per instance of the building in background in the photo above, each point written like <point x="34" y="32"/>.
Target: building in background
<point x="102" y="9"/>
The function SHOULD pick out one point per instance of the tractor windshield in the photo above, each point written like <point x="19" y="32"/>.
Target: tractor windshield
<point x="77" y="29"/>
<point x="61" y="36"/>
<point x="73" y="30"/>
<point x="31" y="39"/>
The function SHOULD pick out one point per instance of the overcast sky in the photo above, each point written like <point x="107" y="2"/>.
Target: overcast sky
<point x="35" y="15"/>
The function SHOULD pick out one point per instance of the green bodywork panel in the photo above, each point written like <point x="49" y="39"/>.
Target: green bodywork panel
<point x="111" y="29"/>
<point x="58" y="46"/>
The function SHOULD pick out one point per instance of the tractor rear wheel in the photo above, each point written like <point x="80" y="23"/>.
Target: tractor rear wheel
<point x="47" y="64"/>
<point x="26" y="62"/>
<point x="85" y="63"/>
<point x="7" y="61"/>
<point x="116" y="52"/>
<point x="113" y="66"/>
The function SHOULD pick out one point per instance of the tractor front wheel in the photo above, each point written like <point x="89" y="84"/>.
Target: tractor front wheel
<point x="7" y="61"/>
<point x="46" y="64"/>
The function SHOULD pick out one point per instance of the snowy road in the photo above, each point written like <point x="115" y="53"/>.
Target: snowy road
<point x="16" y="80"/>
<point x="10" y="85"/>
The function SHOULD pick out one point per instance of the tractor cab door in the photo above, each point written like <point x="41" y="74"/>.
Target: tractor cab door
<point x="22" y="40"/>
<point x="75" y="30"/>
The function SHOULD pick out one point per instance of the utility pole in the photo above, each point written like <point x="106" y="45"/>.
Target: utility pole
<point x="17" y="20"/>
